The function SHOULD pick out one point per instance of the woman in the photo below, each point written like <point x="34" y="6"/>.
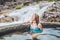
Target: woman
<point x="35" y="26"/>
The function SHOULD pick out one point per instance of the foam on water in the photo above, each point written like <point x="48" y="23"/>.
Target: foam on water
<point x="47" y="34"/>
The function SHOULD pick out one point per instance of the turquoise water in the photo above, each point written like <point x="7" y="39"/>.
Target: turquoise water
<point x="47" y="34"/>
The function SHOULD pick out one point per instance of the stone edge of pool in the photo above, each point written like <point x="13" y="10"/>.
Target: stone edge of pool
<point x="25" y="27"/>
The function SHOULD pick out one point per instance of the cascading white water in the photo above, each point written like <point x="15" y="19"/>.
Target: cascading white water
<point x="25" y="13"/>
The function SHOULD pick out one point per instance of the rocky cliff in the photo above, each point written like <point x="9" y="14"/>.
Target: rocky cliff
<point x="52" y="14"/>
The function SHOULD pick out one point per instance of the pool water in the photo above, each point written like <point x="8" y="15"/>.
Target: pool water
<point x="47" y="34"/>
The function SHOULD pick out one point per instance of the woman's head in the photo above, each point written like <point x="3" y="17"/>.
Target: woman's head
<point x="35" y="17"/>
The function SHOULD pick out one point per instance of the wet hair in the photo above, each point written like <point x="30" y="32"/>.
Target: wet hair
<point x="36" y="18"/>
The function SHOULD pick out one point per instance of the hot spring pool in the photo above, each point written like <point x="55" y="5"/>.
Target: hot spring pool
<point x="47" y="34"/>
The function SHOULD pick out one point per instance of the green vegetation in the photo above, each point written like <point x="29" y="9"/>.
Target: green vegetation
<point x="53" y="0"/>
<point x="19" y="6"/>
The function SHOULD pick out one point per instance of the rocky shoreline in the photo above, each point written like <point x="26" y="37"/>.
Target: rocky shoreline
<point x="14" y="28"/>
<point x="8" y="19"/>
<point x="52" y="14"/>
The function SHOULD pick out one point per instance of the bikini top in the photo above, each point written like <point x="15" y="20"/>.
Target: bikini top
<point x="35" y="27"/>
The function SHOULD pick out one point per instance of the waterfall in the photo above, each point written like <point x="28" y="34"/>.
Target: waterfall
<point x="26" y="12"/>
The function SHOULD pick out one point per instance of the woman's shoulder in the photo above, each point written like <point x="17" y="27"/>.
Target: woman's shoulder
<point x="39" y="24"/>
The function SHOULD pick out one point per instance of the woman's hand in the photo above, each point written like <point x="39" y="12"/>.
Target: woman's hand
<point x="40" y="26"/>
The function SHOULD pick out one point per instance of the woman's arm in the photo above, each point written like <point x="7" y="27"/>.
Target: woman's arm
<point x="40" y="20"/>
<point x="26" y="22"/>
<point x="40" y="26"/>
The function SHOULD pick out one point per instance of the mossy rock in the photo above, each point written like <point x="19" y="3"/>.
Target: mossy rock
<point x="19" y="6"/>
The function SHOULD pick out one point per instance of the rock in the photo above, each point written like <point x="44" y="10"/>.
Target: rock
<point x="8" y="19"/>
<point x="52" y="14"/>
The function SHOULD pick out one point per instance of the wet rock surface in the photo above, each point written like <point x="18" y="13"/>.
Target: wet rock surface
<point x="8" y="19"/>
<point x="52" y="14"/>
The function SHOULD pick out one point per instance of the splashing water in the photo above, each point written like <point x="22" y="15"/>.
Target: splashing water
<point x="26" y="13"/>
